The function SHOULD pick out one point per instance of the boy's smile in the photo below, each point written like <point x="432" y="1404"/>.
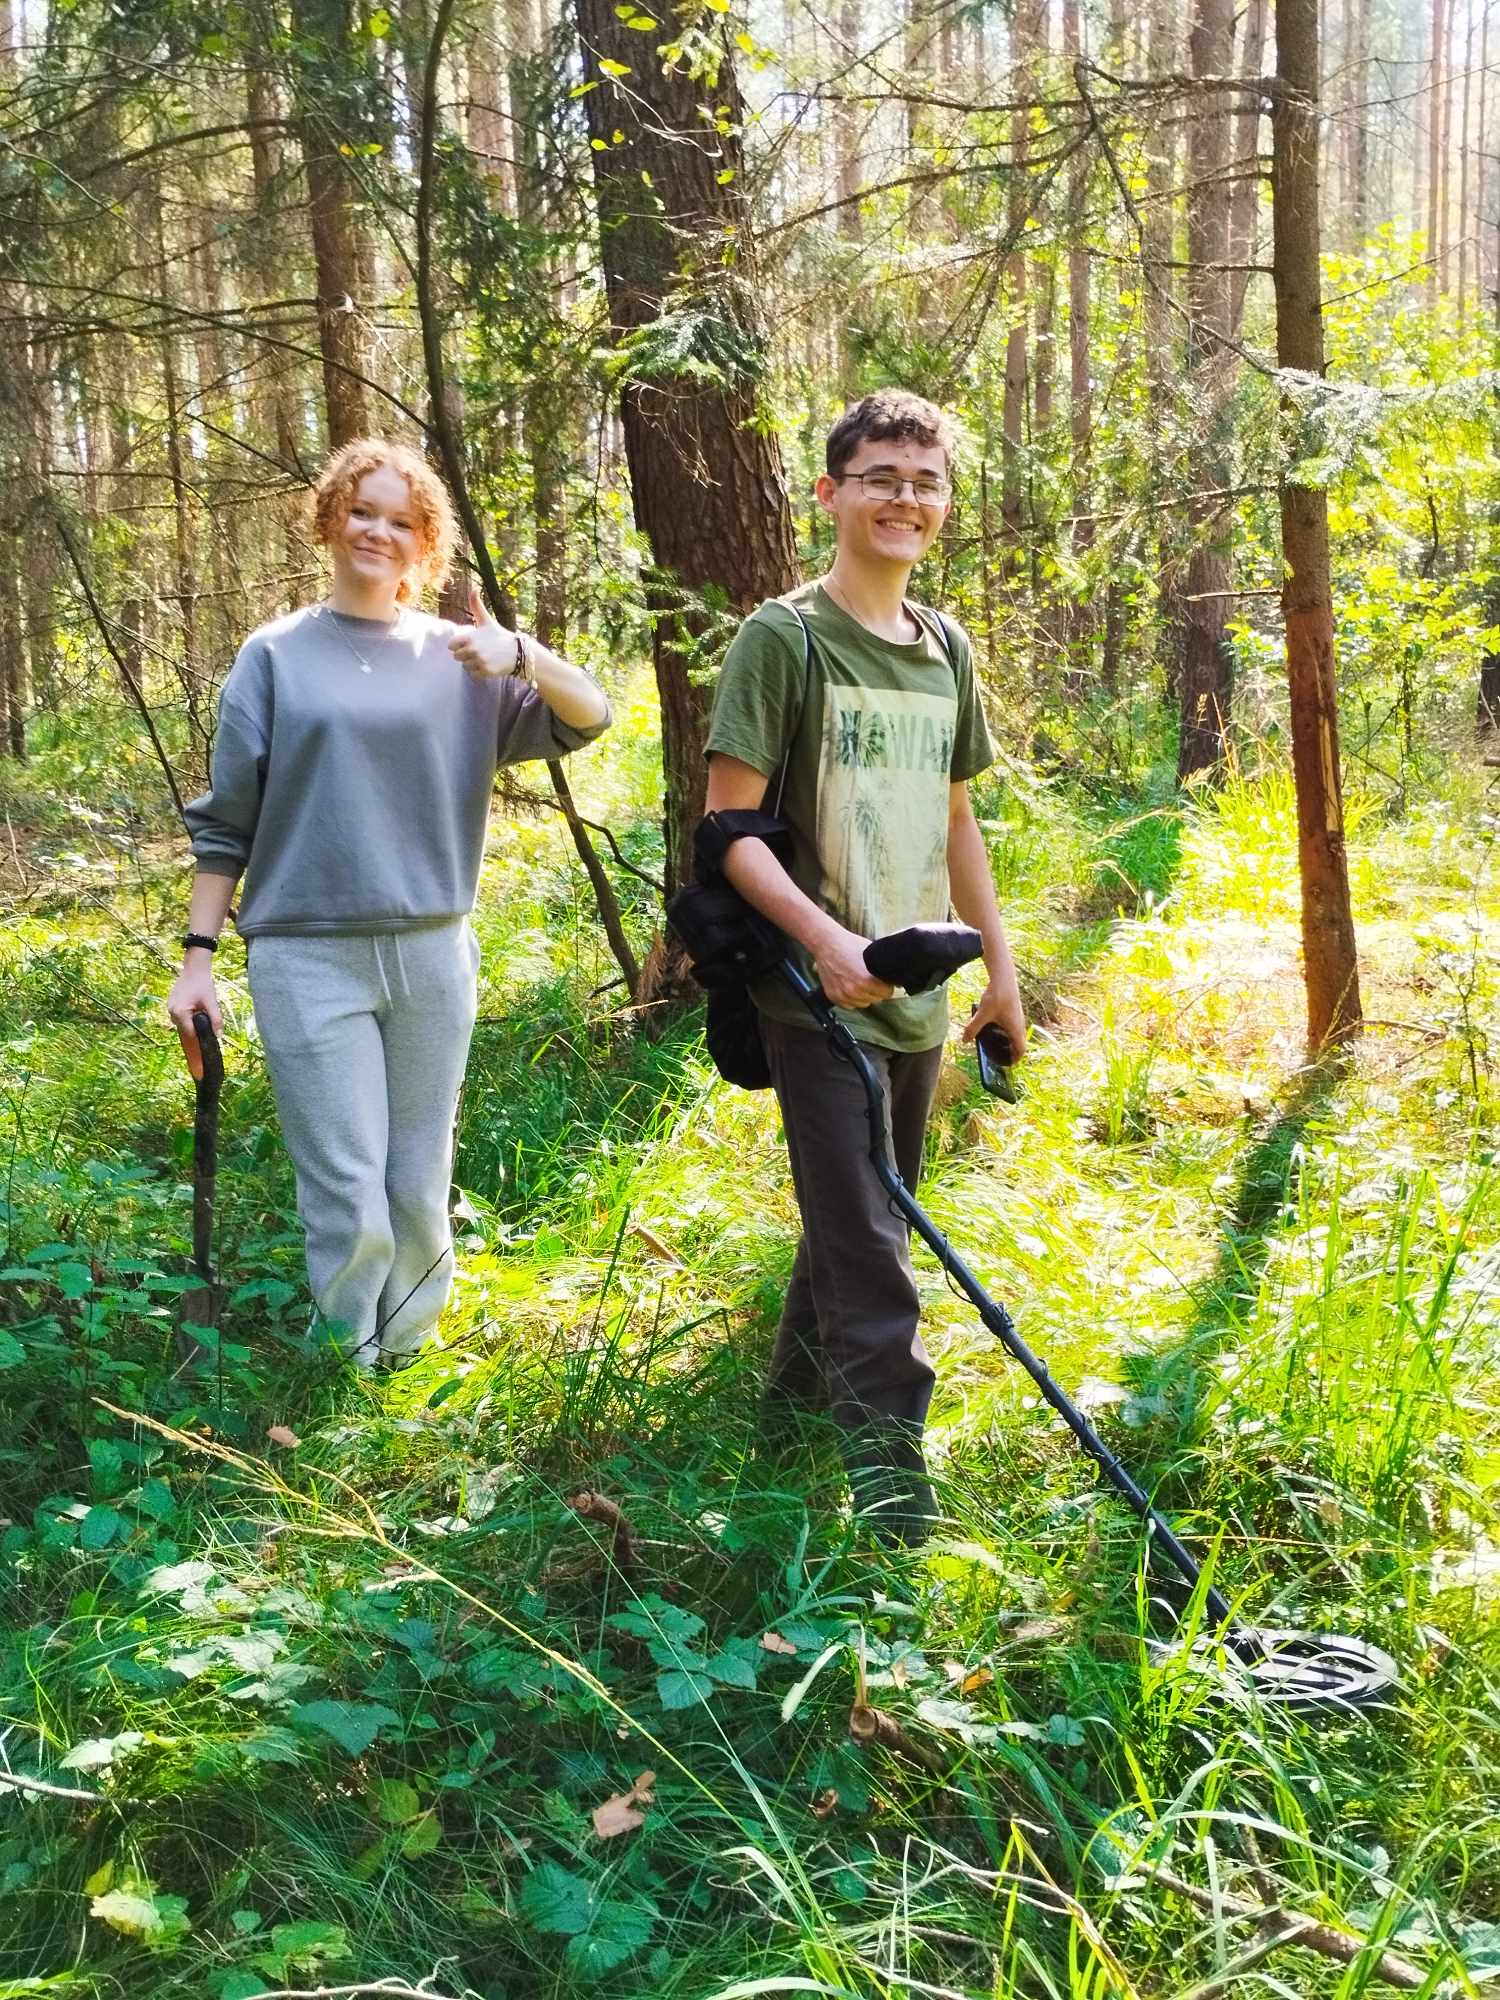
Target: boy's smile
<point x="885" y="527"/>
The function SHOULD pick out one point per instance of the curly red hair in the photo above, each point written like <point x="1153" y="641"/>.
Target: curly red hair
<point x="335" y="486"/>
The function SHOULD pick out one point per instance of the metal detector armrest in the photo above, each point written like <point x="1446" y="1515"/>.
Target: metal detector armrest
<point x="923" y="955"/>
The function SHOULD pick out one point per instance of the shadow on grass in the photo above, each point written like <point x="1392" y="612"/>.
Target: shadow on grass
<point x="1171" y="1383"/>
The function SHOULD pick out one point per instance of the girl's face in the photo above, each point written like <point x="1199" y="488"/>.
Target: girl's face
<point x="380" y="538"/>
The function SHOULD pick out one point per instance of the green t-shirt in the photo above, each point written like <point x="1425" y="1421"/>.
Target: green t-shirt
<point x="869" y="735"/>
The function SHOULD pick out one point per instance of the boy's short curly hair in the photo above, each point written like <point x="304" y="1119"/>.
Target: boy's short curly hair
<point x="335" y="486"/>
<point x="890" y="413"/>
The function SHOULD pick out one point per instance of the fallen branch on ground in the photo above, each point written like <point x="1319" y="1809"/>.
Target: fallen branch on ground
<point x="1344" y="1947"/>
<point x="868" y="1724"/>
<point x="40" y="1786"/>
<point x="598" y="1507"/>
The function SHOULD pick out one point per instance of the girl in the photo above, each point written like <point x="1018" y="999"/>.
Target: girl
<point x="356" y="752"/>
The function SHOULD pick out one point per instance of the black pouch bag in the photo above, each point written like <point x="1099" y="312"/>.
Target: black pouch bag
<point x="730" y="944"/>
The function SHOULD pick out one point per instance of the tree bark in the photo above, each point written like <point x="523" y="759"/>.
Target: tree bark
<point x="1080" y="389"/>
<point x="1025" y="33"/>
<point x="1161" y="324"/>
<point x="12" y="660"/>
<point x="1207" y="674"/>
<point x="1330" y="959"/>
<point x="706" y="477"/>
<point x="1244" y="194"/>
<point x="1436" y="177"/>
<point x="330" y="114"/>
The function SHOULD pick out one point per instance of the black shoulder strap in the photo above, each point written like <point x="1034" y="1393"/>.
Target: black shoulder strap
<point x="947" y="630"/>
<point x="802" y="705"/>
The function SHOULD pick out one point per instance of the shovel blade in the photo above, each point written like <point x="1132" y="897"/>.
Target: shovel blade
<point x="197" y="1308"/>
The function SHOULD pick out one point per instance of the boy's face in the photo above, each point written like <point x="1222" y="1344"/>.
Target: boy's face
<point x="879" y="526"/>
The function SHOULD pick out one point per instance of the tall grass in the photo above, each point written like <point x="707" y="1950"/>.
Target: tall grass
<point x="345" y="1706"/>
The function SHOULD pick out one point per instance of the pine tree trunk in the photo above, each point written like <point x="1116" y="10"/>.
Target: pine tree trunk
<point x="1080" y="629"/>
<point x="1207" y="677"/>
<point x="329" y="116"/>
<point x="1330" y="960"/>
<point x="847" y="120"/>
<point x="1244" y="193"/>
<point x="1359" y="123"/>
<point x="1025" y="33"/>
<point x="1436" y="177"/>
<point x="12" y="660"/>
<point x="706" y="476"/>
<point x="1161" y="327"/>
<point x="1463" y="162"/>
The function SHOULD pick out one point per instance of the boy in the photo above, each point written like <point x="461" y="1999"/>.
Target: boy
<point x="866" y="750"/>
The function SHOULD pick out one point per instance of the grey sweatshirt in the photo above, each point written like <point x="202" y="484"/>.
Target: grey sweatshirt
<point x="352" y="773"/>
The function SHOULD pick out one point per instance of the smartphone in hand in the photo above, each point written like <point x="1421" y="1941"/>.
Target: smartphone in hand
<point x="996" y="1071"/>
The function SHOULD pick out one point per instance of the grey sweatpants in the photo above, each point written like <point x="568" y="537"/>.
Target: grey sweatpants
<point x="366" y="1040"/>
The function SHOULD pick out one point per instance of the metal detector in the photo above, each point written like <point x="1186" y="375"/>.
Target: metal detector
<point x="730" y="945"/>
<point x="1292" y="1670"/>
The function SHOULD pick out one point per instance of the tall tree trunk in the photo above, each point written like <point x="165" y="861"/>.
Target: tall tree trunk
<point x="330" y="116"/>
<point x="847" y="121"/>
<point x="1482" y="159"/>
<point x="1436" y="177"/>
<point x="1161" y="324"/>
<point x="493" y="131"/>
<point x="706" y="475"/>
<point x="1244" y="193"/>
<point x="1358" y="114"/>
<point x="273" y="404"/>
<point x="1080" y="390"/>
<point x="1207" y="659"/>
<point x="12" y="656"/>
<point x="1330" y="959"/>
<point x="189" y="669"/>
<point x="1463" y="162"/>
<point x="1025" y="34"/>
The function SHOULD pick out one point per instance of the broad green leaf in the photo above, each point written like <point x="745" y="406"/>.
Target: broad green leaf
<point x="97" y="1753"/>
<point x="140" y="1912"/>
<point x="308" y="1943"/>
<point x="394" y="1800"/>
<point x="353" y="1725"/>
<point x="617" y="1931"/>
<point x="731" y="1670"/>
<point x="173" y="1578"/>
<point x="239" y="1985"/>
<point x="554" y="1899"/>
<point x="679" y="1690"/>
<point x="100" y="1526"/>
<point x="423" y="1835"/>
<point x="611" y="68"/>
<point x="12" y="1353"/>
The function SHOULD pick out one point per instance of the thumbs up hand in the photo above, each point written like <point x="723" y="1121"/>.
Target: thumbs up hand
<point x="484" y="649"/>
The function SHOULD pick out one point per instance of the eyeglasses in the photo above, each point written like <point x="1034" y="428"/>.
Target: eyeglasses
<point x="926" y="491"/>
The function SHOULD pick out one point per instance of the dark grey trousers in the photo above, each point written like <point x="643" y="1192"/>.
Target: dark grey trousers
<point x="848" y="1333"/>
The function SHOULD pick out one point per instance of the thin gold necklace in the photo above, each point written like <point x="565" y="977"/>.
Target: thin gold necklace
<point x="333" y="619"/>
<point x="836" y="592"/>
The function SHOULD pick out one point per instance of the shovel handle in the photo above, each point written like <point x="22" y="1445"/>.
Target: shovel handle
<point x="208" y="1048"/>
<point x="206" y="1142"/>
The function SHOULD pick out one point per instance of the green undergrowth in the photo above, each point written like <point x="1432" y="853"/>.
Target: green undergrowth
<point x="342" y="1670"/>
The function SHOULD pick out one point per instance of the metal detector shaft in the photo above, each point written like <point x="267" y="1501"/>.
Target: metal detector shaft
<point x="995" y="1317"/>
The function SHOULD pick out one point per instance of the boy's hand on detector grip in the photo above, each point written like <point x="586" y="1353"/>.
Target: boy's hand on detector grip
<point x="843" y="974"/>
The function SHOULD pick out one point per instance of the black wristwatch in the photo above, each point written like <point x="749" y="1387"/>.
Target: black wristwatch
<point x="196" y="941"/>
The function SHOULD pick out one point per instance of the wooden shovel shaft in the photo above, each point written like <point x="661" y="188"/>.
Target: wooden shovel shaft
<point x="206" y="1145"/>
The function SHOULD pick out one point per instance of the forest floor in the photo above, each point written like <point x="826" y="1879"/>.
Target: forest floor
<point x="336" y="1692"/>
